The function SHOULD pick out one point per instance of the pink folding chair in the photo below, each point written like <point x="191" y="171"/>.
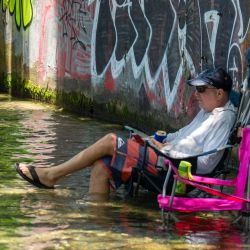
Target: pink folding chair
<point x="237" y="200"/>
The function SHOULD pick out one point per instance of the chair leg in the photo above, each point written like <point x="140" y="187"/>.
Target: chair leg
<point x="237" y="219"/>
<point x="137" y="185"/>
<point x="163" y="219"/>
<point x="167" y="218"/>
<point x="143" y="164"/>
<point x="129" y="189"/>
<point x="245" y="215"/>
<point x="244" y="220"/>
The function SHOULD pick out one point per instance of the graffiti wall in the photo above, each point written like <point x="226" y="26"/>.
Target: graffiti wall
<point x="138" y="53"/>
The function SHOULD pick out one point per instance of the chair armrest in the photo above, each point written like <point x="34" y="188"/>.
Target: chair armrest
<point x="212" y="191"/>
<point x="195" y="155"/>
<point x="201" y="179"/>
<point x="215" y="150"/>
<point x="149" y="143"/>
<point x="213" y="181"/>
<point x="135" y="131"/>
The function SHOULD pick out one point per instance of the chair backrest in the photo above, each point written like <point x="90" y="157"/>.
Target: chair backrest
<point x="235" y="97"/>
<point x="244" y="161"/>
<point x="243" y="115"/>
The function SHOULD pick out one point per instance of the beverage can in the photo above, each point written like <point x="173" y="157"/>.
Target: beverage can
<point x="160" y="135"/>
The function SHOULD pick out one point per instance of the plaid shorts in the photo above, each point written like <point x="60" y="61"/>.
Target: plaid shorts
<point x="127" y="155"/>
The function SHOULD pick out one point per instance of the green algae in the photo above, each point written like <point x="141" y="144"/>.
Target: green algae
<point x="10" y="144"/>
<point x="11" y="216"/>
<point x="113" y="109"/>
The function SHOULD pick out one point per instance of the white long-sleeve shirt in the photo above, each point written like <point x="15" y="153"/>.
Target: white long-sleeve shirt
<point x="207" y="131"/>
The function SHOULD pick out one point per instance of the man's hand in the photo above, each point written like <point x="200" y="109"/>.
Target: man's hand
<point x="159" y="145"/>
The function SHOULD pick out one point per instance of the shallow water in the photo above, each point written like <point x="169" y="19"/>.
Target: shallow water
<point x="64" y="218"/>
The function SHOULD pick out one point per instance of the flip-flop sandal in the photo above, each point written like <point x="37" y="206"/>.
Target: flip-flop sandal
<point x="35" y="181"/>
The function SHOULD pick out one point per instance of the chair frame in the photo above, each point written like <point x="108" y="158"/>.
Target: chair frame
<point x="223" y="201"/>
<point x="141" y="168"/>
<point x="235" y="97"/>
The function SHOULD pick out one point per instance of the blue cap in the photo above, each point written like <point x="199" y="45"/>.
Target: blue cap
<point x="217" y="78"/>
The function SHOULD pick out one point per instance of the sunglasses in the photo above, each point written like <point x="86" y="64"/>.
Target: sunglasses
<point x="202" y="89"/>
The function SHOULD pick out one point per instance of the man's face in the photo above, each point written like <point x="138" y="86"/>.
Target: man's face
<point x="208" y="97"/>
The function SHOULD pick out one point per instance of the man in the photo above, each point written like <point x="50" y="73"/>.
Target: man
<point x="113" y="159"/>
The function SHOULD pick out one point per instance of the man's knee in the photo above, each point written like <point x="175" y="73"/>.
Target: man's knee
<point x="110" y="137"/>
<point x="109" y="142"/>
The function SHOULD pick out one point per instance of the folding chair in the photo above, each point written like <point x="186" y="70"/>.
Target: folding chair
<point x="133" y="188"/>
<point x="221" y="201"/>
<point x="222" y="168"/>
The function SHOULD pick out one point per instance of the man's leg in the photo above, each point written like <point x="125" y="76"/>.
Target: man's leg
<point x="86" y="158"/>
<point x="99" y="180"/>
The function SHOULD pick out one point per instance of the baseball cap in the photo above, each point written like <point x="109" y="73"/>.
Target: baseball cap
<point x="217" y="78"/>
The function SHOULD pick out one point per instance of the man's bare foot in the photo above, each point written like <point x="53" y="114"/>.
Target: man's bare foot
<point x="38" y="177"/>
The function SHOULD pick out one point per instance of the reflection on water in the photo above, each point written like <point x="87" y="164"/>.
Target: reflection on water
<point x="65" y="218"/>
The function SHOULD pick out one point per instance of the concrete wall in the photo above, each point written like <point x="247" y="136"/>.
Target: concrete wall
<point x="126" y="60"/>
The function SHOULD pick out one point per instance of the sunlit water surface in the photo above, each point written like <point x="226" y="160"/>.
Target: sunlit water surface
<point x="64" y="218"/>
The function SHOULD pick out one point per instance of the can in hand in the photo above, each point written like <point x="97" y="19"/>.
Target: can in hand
<point x="160" y="135"/>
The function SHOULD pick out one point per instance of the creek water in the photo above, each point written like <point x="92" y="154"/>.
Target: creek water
<point x="64" y="218"/>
